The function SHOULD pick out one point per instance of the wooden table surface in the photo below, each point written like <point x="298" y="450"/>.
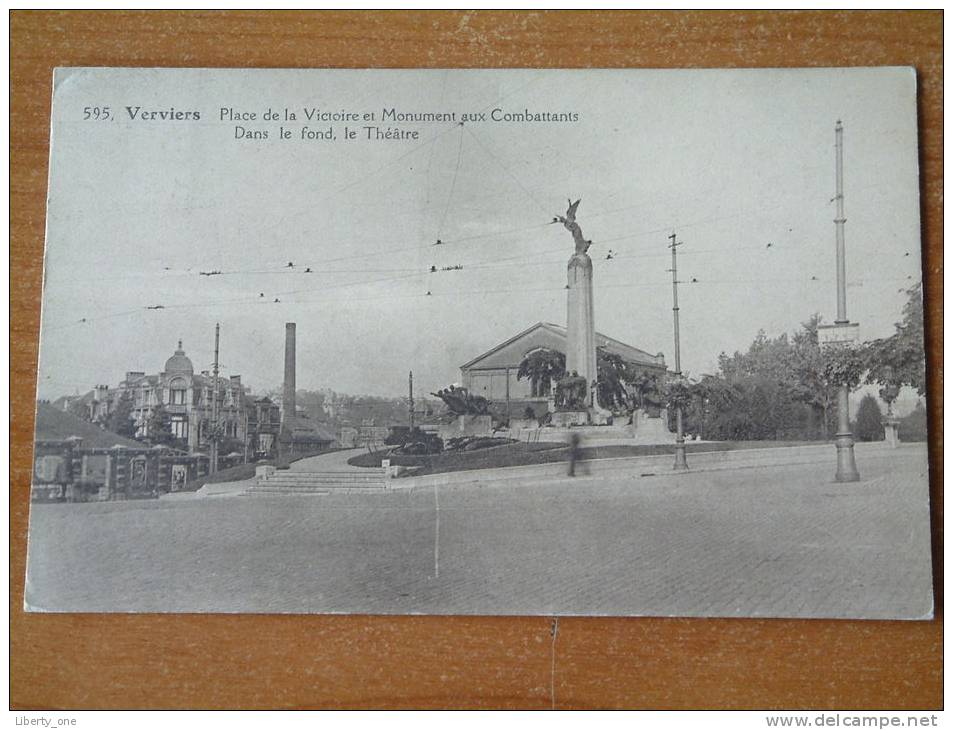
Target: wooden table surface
<point x="250" y="661"/>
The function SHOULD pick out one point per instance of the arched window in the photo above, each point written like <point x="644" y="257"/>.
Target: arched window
<point x="177" y="391"/>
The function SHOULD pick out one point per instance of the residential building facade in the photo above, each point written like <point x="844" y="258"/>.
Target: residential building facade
<point x="188" y="399"/>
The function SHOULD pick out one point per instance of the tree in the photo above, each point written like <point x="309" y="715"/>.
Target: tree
<point x="844" y="365"/>
<point x="901" y="358"/>
<point x="542" y="367"/>
<point x="120" y="420"/>
<point x="767" y="388"/>
<point x="614" y="374"/>
<point x="813" y="387"/>
<point x="913" y="426"/>
<point x="647" y="388"/>
<point x="790" y="383"/>
<point x="623" y="385"/>
<point x="159" y="426"/>
<point x="868" y="426"/>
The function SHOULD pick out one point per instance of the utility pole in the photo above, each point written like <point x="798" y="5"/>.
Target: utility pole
<point x="213" y="432"/>
<point x="680" y="462"/>
<point x="843" y="440"/>
<point x="245" y="439"/>
<point x="410" y="381"/>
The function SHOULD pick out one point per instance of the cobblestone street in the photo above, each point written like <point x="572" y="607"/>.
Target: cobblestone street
<point x="764" y="541"/>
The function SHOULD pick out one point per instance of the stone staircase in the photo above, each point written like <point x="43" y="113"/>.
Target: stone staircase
<point x="286" y="481"/>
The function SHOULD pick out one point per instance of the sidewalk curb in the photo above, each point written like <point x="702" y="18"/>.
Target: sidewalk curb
<point x="659" y="465"/>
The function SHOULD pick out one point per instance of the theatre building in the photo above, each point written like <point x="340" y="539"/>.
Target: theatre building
<point x="493" y="374"/>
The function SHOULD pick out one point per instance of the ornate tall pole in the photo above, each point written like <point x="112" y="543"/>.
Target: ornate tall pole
<point x="680" y="462"/>
<point x="843" y="440"/>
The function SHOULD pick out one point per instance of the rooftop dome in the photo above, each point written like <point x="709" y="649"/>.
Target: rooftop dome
<point x="179" y="363"/>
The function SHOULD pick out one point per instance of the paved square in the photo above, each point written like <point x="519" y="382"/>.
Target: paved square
<point x="764" y="541"/>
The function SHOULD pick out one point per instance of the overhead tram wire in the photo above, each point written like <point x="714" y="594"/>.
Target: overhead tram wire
<point x="760" y="211"/>
<point x="435" y="263"/>
<point x="677" y="194"/>
<point x="487" y="264"/>
<point x="638" y="234"/>
<point x="334" y="193"/>
<point x="86" y="320"/>
<point x="798" y="281"/>
<point x="413" y="273"/>
<point x="433" y="140"/>
<point x="379" y="253"/>
<point x="508" y="172"/>
<point x="249" y="299"/>
<point x="443" y="218"/>
<point x="453" y="184"/>
<point x="589" y="216"/>
<point x="479" y="264"/>
<point x="433" y="144"/>
<point x="414" y="149"/>
<point x="753" y="213"/>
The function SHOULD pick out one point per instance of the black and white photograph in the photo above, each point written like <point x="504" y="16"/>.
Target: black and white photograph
<point x="486" y="342"/>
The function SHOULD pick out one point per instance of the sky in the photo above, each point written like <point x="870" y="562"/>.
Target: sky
<point x="738" y="163"/>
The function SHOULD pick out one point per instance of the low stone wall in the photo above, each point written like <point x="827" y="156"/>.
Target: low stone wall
<point x="563" y="419"/>
<point x="639" y="465"/>
<point x="65" y="471"/>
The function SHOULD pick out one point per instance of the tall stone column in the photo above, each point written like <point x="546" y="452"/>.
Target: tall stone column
<point x="580" y="321"/>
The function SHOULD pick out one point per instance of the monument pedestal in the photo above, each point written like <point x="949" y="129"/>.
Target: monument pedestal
<point x="649" y="430"/>
<point x="599" y="416"/>
<point x="892" y="432"/>
<point x="564" y="419"/>
<point x="467" y="425"/>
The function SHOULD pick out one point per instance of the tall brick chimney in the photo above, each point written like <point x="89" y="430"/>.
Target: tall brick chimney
<point x="288" y="392"/>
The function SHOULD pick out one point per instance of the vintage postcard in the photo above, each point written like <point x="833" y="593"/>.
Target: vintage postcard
<point x="544" y="342"/>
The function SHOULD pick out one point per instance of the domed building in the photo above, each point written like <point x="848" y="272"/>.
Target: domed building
<point x="179" y="363"/>
<point x="186" y="397"/>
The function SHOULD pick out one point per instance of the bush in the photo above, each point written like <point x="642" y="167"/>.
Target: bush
<point x="397" y="436"/>
<point x="419" y="443"/>
<point x="474" y="443"/>
<point x="913" y="427"/>
<point x="868" y="426"/>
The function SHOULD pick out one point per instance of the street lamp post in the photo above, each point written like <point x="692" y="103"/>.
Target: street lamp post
<point x="843" y="440"/>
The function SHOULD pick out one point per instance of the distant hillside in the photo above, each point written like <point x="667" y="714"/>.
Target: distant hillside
<point x="53" y="424"/>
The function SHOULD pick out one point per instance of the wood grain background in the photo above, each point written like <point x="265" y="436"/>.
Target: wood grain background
<point x="193" y="661"/>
